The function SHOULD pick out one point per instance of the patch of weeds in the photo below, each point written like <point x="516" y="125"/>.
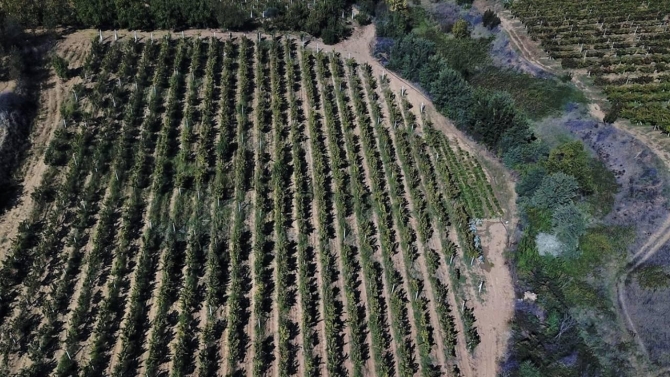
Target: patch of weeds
<point x="537" y="97"/>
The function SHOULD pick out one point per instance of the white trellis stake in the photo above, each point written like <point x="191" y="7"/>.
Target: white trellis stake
<point x="100" y="31"/>
<point x="116" y="36"/>
<point x="135" y="36"/>
<point x="480" y="286"/>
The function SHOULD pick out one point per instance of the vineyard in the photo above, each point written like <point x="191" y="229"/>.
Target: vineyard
<point x="243" y="207"/>
<point x="623" y="45"/>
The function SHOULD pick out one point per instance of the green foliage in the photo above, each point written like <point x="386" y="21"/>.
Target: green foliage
<point x="60" y="66"/>
<point x="530" y="181"/>
<point x="571" y="158"/>
<point x="653" y="277"/>
<point x="461" y="29"/>
<point x="536" y="97"/>
<point x="601" y="201"/>
<point x="466" y="55"/>
<point x="322" y="20"/>
<point x="397" y="5"/>
<point x="490" y="19"/>
<point x="614" y="113"/>
<point x="555" y="190"/>
<point x="362" y="19"/>
<point x="528" y="369"/>
<point x="569" y="225"/>
<point x="494" y="114"/>
<point x="409" y="54"/>
<point x="393" y="24"/>
<point x="521" y="157"/>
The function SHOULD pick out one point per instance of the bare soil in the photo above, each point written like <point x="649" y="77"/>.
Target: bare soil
<point x="495" y="312"/>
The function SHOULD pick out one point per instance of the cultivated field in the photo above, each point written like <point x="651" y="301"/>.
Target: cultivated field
<point x="623" y="45"/>
<point x="243" y="207"/>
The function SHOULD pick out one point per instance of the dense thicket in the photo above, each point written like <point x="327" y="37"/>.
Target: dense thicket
<point x="322" y="18"/>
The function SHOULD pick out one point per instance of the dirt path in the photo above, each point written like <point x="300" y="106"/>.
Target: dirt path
<point x="494" y="314"/>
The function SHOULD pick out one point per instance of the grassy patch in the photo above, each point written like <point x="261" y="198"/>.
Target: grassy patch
<point x="537" y="97"/>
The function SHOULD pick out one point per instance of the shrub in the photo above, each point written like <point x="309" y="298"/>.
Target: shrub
<point x="653" y="277"/>
<point x="60" y="65"/>
<point x="461" y="29"/>
<point x="569" y="225"/>
<point x="362" y="19"/>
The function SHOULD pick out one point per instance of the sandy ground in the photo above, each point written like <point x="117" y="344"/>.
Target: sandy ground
<point x="493" y="318"/>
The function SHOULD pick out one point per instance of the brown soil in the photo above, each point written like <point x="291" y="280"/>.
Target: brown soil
<point x="497" y="309"/>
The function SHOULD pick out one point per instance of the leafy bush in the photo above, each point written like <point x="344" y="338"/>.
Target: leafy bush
<point x="530" y="181"/>
<point x="569" y="225"/>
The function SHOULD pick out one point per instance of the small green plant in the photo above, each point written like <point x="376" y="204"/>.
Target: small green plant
<point x="60" y="66"/>
<point x="461" y="29"/>
<point x="362" y="19"/>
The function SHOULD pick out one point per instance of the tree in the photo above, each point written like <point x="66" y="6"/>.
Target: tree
<point x="461" y="29"/>
<point x="493" y="115"/>
<point x="397" y="5"/>
<point x="490" y="19"/>
<point x="132" y="14"/>
<point x="556" y="190"/>
<point x="409" y="54"/>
